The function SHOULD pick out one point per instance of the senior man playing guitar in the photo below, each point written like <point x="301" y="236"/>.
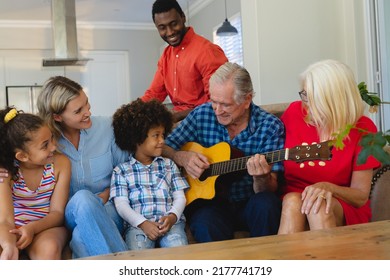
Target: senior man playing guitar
<point x="228" y="192"/>
<point x="245" y="202"/>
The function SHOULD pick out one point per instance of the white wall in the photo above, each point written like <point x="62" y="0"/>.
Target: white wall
<point x="280" y="43"/>
<point x="142" y="47"/>
<point x="26" y="43"/>
<point x="282" y="37"/>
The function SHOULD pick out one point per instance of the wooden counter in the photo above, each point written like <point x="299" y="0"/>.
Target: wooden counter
<point x="357" y="242"/>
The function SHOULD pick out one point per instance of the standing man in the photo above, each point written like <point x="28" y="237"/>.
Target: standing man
<point x="249" y="203"/>
<point x="185" y="67"/>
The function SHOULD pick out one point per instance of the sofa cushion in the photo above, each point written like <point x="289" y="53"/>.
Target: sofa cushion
<point x="380" y="194"/>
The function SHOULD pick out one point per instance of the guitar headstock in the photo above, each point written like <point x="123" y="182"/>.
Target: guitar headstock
<point x="319" y="151"/>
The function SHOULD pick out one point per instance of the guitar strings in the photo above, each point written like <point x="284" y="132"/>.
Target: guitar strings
<point x="238" y="164"/>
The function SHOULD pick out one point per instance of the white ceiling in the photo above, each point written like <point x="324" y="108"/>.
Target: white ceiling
<point x="109" y="11"/>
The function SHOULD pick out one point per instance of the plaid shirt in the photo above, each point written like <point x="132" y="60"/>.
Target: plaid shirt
<point x="264" y="133"/>
<point x="149" y="188"/>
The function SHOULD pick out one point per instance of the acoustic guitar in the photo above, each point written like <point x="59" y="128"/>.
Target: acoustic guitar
<point x="223" y="160"/>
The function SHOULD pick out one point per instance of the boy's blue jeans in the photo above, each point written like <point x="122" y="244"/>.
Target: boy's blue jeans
<point x="137" y="240"/>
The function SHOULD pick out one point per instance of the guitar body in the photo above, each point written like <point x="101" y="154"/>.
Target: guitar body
<point x="225" y="161"/>
<point x="205" y="186"/>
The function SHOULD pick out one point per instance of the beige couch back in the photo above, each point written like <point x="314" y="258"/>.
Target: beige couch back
<point x="380" y="194"/>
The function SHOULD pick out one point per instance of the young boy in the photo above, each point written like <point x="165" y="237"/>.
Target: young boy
<point x="148" y="190"/>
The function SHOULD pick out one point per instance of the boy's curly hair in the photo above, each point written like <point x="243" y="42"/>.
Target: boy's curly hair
<point x="132" y="122"/>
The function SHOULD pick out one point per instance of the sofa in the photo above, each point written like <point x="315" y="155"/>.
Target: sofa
<point x="380" y="193"/>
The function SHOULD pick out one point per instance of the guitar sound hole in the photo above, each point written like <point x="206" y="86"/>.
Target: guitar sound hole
<point x="205" y="175"/>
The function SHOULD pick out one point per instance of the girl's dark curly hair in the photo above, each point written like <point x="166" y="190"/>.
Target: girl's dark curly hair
<point x="162" y="6"/>
<point x="132" y="122"/>
<point x="14" y="134"/>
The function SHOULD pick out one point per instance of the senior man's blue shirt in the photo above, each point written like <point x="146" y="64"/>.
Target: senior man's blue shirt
<point x="264" y="133"/>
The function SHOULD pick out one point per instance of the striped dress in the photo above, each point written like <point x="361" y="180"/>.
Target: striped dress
<point x="33" y="205"/>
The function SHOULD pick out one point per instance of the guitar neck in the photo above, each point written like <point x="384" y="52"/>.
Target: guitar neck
<point x="239" y="164"/>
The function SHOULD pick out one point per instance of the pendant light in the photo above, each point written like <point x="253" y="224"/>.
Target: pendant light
<point x="226" y="29"/>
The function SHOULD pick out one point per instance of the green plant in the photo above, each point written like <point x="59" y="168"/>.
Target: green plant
<point x="371" y="98"/>
<point x="372" y="143"/>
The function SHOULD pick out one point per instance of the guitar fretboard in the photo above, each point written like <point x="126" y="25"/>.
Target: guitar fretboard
<point x="239" y="164"/>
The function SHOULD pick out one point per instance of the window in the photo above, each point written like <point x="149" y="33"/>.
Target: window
<point x="231" y="45"/>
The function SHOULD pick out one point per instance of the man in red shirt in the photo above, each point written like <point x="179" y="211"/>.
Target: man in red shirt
<point x="185" y="67"/>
